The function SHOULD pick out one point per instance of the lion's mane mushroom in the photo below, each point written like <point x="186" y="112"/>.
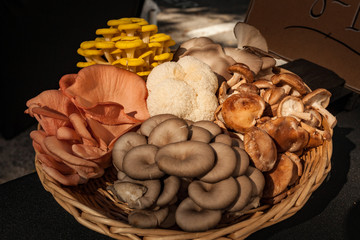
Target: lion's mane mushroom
<point x="139" y="163"/>
<point x="287" y="133"/>
<point x="261" y="149"/>
<point x="319" y="99"/>
<point x="185" y="88"/>
<point x="186" y="159"/>
<point x="224" y="164"/>
<point x="169" y="131"/>
<point x="192" y="218"/>
<point x="123" y="145"/>
<point x="240" y="111"/>
<point x="148" y="218"/>
<point x="214" y="196"/>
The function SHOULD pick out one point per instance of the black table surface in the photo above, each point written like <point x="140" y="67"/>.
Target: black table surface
<point x="332" y="212"/>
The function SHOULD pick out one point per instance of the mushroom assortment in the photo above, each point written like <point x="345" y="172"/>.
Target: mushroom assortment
<point x="175" y="171"/>
<point x="129" y="43"/>
<point x="220" y="130"/>
<point x="278" y="117"/>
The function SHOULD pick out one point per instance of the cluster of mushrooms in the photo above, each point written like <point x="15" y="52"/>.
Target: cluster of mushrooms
<point x="129" y="43"/>
<point x="179" y="172"/>
<point x="278" y="119"/>
<point x="275" y="113"/>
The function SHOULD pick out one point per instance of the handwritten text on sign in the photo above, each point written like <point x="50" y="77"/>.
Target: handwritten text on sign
<point x="326" y="32"/>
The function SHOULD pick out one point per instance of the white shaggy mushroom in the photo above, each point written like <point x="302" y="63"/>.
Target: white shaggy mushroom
<point x="171" y="96"/>
<point x="185" y="89"/>
<point x="162" y="72"/>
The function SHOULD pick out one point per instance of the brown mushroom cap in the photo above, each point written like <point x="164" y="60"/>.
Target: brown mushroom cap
<point x="261" y="149"/>
<point x="186" y="159"/>
<point x="199" y="134"/>
<point x="319" y="99"/>
<point x="123" y="145"/>
<point x="240" y="111"/>
<point x="169" y="131"/>
<point x="247" y="88"/>
<point x="278" y="179"/>
<point x="292" y="80"/>
<point x="242" y="162"/>
<point x="139" y="163"/>
<point x="170" y="189"/>
<point x="240" y="71"/>
<point x="246" y="189"/>
<point x="287" y="133"/>
<point x="148" y="125"/>
<point x="147" y="218"/>
<point x="213" y="128"/>
<point x="274" y="95"/>
<point x="214" y="195"/>
<point x="192" y="218"/>
<point x="315" y="120"/>
<point x="225" y="163"/>
<point x="294" y="107"/>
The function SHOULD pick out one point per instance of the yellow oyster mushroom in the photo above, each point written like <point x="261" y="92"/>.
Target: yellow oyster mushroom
<point x="129" y="46"/>
<point x="146" y="31"/>
<point x="107" y="33"/>
<point x="153" y="46"/>
<point x="85" y="64"/>
<point x="116" y="22"/>
<point x="125" y="38"/>
<point x="160" y="38"/>
<point x="146" y="56"/>
<point x="130" y="28"/>
<point x="130" y="64"/>
<point x="92" y="55"/>
<point x="87" y="44"/>
<point x="154" y="64"/>
<point x="143" y="74"/>
<point x="106" y="46"/>
<point x="168" y="44"/>
<point x="117" y="53"/>
<point x="164" y="57"/>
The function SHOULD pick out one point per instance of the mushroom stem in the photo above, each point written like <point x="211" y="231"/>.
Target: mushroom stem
<point x="326" y="114"/>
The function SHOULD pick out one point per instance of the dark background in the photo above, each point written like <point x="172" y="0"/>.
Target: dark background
<point x="39" y="43"/>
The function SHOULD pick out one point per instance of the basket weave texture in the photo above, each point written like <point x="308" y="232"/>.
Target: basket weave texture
<point x="95" y="208"/>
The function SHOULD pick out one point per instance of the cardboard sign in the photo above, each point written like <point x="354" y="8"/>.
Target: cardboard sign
<point x="326" y="32"/>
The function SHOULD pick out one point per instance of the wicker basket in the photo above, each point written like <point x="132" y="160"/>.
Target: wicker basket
<point x="94" y="207"/>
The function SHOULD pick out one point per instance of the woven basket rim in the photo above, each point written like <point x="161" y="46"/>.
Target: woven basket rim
<point x="316" y="168"/>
